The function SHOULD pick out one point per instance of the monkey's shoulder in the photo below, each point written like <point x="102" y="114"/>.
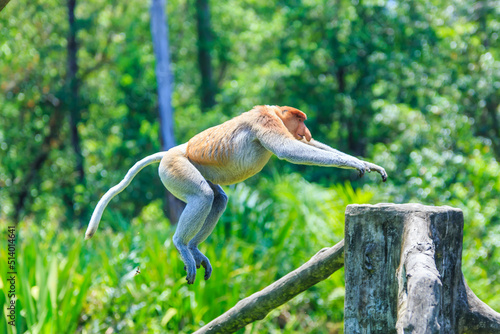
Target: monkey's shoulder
<point x="265" y="119"/>
<point x="237" y="137"/>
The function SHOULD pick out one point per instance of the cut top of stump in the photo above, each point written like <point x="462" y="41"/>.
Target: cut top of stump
<point x="356" y="209"/>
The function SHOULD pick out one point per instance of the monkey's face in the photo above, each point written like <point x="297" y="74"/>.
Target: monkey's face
<point x="294" y="122"/>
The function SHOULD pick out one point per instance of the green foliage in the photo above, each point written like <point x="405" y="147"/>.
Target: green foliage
<point x="69" y="285"/>
<point x="50" y="286"/>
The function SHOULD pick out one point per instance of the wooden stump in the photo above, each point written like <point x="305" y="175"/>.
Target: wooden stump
<point x="403" y="272"/>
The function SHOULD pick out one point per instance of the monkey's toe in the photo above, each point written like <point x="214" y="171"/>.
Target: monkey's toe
<point x="208" y="270"/>
<point x="191" y="277"/>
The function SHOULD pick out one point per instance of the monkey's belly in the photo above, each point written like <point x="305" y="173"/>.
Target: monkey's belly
<point x="237" y="169"/>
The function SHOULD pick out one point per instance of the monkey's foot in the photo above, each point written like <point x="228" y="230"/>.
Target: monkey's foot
<point x="191" y="273"/>
<point x="191" y="276"/>
<point x="187" y="258"/>
<point x="201" y="260"/>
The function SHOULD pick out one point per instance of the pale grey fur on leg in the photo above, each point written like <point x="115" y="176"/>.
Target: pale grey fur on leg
<point x="190" y="223"/>
<point x="218" y="206"/>
<point x="183" y="180"/>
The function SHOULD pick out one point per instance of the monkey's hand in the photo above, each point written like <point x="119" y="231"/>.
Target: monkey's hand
<point x="362" y="169"/>
<point x="372" y="167"/>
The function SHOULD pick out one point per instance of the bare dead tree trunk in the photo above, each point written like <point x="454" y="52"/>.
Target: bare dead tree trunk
<point x="204" y="56"/>
<point x="403" y="272"/>
<point x="159" y="32"/>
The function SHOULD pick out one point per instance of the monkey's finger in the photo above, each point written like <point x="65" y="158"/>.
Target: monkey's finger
<point x="378" y="169"/>
<point x="383" y="174"/>
<point x="361" y="172"/>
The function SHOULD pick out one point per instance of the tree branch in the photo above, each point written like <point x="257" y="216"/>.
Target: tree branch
<point x="3" y="3"/>
<point x="258" y="305"/>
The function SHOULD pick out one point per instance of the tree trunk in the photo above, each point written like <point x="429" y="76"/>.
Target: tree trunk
<point x="73" y="103"/>
<point x="204" y="56"/>
<point x="73" y="98"/>
<point x="159" y="32"/>
<point x="403" y="272"/>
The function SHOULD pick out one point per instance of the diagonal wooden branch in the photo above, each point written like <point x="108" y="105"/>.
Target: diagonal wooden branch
<point x="3" y="3"/>
<point x="258" y="305"/>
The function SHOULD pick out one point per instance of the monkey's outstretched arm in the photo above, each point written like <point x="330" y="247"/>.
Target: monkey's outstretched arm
<point x="108" y="196"/>
<point x="369" y="166"/>
<point x="295" y="151"/>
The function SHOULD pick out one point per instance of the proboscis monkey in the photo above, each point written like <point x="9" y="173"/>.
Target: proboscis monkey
<point x="226" y="154"/>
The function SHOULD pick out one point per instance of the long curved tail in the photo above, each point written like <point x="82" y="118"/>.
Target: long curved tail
<point x="108" y="196"/>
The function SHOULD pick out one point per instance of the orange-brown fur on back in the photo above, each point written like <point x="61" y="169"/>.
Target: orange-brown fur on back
<point x="217" y="146"/>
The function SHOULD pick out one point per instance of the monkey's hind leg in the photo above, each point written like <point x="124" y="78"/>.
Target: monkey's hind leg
<point x="183" y="180"/>
<point x="218" y="207"/>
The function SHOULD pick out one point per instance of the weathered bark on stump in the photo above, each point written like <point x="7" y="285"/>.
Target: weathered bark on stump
<point x="403" y="272"/>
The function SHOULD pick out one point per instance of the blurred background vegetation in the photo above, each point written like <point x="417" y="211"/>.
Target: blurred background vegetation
<point x="412" y="86"/>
